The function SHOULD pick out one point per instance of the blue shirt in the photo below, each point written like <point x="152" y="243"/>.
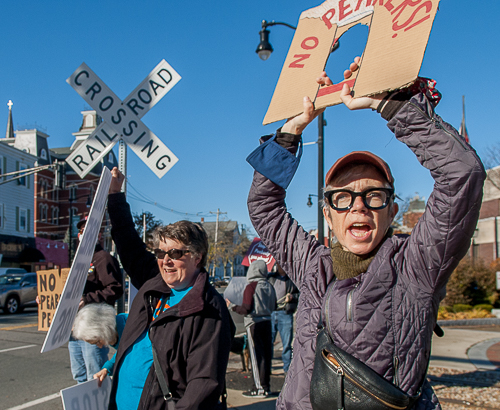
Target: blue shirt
<point x="138" y="359"/>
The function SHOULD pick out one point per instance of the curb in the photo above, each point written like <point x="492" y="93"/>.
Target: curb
<point x="469" y="322"/>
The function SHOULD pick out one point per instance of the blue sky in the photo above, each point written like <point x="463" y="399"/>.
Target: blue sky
<point x="212" y="118"/>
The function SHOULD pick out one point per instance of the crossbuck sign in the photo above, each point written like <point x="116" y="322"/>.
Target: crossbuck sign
<point x="122" y="119"/>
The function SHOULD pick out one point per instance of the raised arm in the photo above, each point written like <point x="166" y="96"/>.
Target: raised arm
<point x="138" y="262"/>
<point x="443" y="234"/>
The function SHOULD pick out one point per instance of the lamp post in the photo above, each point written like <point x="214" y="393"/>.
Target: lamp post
<point x="264" y="51"/>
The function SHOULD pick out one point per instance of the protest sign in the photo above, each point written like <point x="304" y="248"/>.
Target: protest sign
<point x="60" y="328"/>
<point x="87" y="396"/>
<point x="235" y="289"/>
<point x="398" y="34"/>
<point x="50" y="285"/>
<point x="258" y="251"/>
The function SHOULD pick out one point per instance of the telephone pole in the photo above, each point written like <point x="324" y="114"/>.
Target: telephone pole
<point x="216" y="235"/>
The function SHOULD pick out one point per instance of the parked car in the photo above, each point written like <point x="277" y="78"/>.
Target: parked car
<point x="4" y="271"/>
<point x="17" y="291"/>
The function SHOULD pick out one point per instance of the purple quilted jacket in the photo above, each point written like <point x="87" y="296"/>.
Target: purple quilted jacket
<point x="385" y="316"/>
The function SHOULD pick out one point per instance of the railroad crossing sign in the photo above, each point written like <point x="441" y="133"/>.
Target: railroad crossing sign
<point x="122" y="119"/>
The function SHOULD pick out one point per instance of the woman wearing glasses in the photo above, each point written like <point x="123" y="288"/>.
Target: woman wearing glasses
<point x="176" y="315"/>
<point x="376" y="294"/>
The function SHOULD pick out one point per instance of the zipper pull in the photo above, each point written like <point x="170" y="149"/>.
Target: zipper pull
<point x="340" y="388"/>
<point x="395" y="379"/>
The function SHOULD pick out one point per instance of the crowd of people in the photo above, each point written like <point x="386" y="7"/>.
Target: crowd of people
<point x="374" y="294"/>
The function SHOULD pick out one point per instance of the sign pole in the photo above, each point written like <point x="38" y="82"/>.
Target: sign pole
<point x="122" y="163"/>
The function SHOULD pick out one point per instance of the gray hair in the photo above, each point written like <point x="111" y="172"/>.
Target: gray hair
<point x="96" y="321"/>
<point x="188" y="233"/>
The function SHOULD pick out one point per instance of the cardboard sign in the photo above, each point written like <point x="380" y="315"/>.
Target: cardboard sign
<point x="123" y="120"/>
<point x="60" y="328"/>
<point x="87" y="396"/>
<point x="258" y="251"/>
<point x="399" y="31"/>
<point x="50" y="286"/>
<point x="151" y="90"/>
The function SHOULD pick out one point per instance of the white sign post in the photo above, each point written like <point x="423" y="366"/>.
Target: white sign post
<point x="122" y="119"/>
<point x="87" y="396"/>
<point x="60" y="328"/>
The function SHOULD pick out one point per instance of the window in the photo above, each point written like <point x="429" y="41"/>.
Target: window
<point x="1" y="216"/>
<point x="55" y="215"/>
<point x="22" y="220"/>
<point x="22" y="181"/>
<point x="43" y="188"/>
<point x="43" y="153"/>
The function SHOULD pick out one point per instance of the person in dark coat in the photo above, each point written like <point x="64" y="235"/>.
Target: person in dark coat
<point x="376" y="293"/>
<point x="176" y="312"/>
<point x="104" y="285"/>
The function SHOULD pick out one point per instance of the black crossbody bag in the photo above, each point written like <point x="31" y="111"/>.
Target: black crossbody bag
<point x="340" y="381"/>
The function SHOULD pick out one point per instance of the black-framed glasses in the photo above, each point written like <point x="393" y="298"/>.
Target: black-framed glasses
<point x="373" y="198"/>
<point x="172" y="253"/>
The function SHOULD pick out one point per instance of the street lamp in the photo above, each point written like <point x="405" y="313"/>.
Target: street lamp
<point x="264" y="50"/>
<point x="309" y="200"/>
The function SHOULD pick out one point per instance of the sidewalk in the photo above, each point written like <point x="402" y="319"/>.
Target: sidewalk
<point x="460" y="349"/>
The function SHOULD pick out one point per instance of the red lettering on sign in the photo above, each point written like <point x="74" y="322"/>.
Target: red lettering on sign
<point x="396" y="26"/>
<point x="388" y="5"/>
<point x="306" y="46"/>
<point x="330" y="89"/>
<point x="343" y="13"/>
<point x="299" y="57"/>
<point x="328" y="16"/>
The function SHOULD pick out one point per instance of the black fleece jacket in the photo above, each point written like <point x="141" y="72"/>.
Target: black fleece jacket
<point x="192" y="338"/>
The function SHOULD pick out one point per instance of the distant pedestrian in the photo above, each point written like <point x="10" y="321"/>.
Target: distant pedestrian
<point x="259" y="301"/>
<point x="287" y="296"/>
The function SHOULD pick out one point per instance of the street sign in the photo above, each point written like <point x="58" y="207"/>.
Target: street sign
<point x="60" y="328"/>
<point x="122" y="119"/>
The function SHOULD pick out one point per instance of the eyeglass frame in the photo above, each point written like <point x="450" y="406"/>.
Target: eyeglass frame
<point x="327" y="196"/>
<point x="161" y="251"/>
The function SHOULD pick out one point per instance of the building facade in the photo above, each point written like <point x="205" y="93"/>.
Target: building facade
<point x="485" y="243"/>
<point x="16" y="206"/>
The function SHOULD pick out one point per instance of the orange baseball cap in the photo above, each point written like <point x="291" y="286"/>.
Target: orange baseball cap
<point x="363" y="157"/>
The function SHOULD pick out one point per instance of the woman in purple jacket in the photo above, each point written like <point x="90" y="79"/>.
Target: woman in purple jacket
<point x="376" y="293"/>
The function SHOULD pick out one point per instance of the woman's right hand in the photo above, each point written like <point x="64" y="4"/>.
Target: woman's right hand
<point x="116" y="181"/>
<point x="100" y="376"/>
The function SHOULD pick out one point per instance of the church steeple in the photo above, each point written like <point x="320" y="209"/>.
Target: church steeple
<point x="10" y="127"/>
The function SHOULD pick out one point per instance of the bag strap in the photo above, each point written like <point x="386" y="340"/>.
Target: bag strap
<point x="161" y="379"/>
<point x="167" y="395"/>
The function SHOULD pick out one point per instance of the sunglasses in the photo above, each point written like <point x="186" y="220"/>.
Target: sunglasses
<point x="172" y="253"/>
<point x="373" y="198"/>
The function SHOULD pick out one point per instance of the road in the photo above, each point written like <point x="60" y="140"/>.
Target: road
<point x="28" y="377"/>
